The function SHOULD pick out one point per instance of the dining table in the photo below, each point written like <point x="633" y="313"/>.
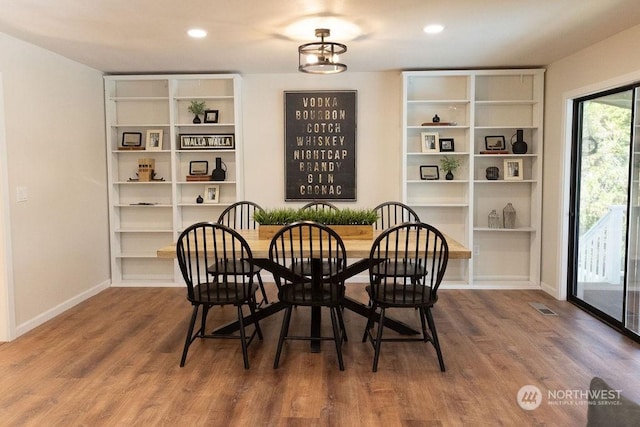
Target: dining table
<point x="356" y="249"/>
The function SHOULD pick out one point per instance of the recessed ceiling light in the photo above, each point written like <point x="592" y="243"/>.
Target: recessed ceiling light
<point x="433" y="29"/>
<point x="197" y="33"/>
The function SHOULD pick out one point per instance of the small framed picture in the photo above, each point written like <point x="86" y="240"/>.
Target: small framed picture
<point x="429" y="142"/>
<point x="513" y="170"/>
<point x="131" y="139"/>
<point x="198" y="167"/>
<point x="154" y="139"/>
<point x="211" y="116"/>
<point x="212" y="194"/>
<point x="446" y="144"/>
<point x="430" y="173"/>
<point x="494" y="143"/>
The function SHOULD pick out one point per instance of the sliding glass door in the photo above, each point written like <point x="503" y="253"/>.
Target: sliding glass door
<point x="605" y="221"/>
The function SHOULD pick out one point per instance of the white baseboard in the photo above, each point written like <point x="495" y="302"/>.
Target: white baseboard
<point x="60" y="308"/>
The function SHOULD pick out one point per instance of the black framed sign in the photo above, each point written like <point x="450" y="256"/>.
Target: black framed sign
<point x="193" y="141"/>
<point x="320" y="145"/>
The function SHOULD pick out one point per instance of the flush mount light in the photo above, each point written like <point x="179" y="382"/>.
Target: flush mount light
<point x="433" y="29"/>
<point x="321" y="57"/>
<point x="197" y="33"/>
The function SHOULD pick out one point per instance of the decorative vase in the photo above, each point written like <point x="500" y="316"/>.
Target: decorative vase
<point x="494" y="219"/>
<point x="509" y="216"/>
<point x="492" y="173"/>
<point x="220" y="172"/>
<point x="199" y="199"/>
<point x="196" y="119"/>
<point x="449" y="176"/>
<point x="436" y="119"/>
<point x="519" y="147"/>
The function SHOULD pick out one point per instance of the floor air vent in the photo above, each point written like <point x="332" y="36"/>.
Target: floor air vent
<point x="542" y="309"/>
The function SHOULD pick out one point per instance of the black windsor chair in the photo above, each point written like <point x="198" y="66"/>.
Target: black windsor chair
<point x="421" y="251"/>
<point x="239" y="216"/>
<point x="208" y="244"/>
<point x="319" y="247"/>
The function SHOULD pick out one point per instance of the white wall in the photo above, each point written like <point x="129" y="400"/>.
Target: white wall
<point x="378" y="138"/>
<point x="54" y="114"/>
<point x="592" y="69"/>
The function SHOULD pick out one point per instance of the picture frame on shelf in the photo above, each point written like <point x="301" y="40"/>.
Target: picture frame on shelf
<point x="211" y="116"/>
<point x="513" y="170"/>
<point x="131" y="141"/>
<point x="429" y="172"/>
<point x="495" y="143"/>
<point x="446" y="145"/>
<point x="429" y="142"/>
<point x="212" y="194"/>
<point x="198" y="167"/>
<point x="154" y="139"/>
<point x="209" y="141"/>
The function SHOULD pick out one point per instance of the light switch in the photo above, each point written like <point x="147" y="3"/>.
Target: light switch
<point x="21" y="194"/>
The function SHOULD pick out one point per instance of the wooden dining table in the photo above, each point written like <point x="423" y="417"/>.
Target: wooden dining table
<point x="356" y="249"/>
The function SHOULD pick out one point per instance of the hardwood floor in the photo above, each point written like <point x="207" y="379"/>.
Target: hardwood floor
<point x="113" y="360"/>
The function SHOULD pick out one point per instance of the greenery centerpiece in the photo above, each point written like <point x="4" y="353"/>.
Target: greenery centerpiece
<point x="197" y="107"/>
<point x="349" y="223"/>
<point x="449" y="164"/>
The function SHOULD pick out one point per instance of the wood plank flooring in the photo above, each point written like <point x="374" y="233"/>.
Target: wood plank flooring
<point x="113" y="361"/>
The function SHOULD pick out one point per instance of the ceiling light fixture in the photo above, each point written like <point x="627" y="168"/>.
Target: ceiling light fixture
<point x="321" y="57"/>
<point x="197" y="33"/>
<point x="433" y="29"/>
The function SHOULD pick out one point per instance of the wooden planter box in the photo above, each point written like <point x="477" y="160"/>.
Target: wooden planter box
<point x="346" y="232"/>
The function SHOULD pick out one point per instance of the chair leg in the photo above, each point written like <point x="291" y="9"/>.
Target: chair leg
<point x="243" y="338"/>
<point x="203" y="320"/>
<point x="372" y="307"/>
<point x="341" y="320"/>
<point x="378" y="342"/>
<point x="283" y="333"/>
<point x="423" y="316"/>
<point x="434" y="335"/>
<point x="265" y="300"/>
<point x="190" y="336"/>
<point x="252" y="308"/>
<point x="336" y="334"/>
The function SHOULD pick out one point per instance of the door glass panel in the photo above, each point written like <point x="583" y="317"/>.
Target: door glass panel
<point x="602" y="205"/>
<point x="632" y="310"/>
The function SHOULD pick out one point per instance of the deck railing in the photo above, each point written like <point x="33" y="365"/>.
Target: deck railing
<point x="601" y="249"/>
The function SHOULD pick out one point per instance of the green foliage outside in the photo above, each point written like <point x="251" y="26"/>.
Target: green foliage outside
<point x="605" y="160"/>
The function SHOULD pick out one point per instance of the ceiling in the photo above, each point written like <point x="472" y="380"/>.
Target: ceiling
<point x="247" y="36"/>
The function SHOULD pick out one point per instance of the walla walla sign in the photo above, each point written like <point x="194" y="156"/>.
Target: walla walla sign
<point x="320" y="145"/>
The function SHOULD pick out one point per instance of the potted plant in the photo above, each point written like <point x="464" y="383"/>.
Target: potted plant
<point x="349" y="223"/>
<point x="449" y="164"/>
<point x="197" y="107"/>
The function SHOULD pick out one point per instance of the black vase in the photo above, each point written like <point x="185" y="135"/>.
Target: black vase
<point x="197" y="120"/>
<point x="449" y="176"/>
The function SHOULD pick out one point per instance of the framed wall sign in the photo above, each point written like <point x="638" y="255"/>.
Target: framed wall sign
<point x="320" y="145"/>
<point x="210" y="141"/>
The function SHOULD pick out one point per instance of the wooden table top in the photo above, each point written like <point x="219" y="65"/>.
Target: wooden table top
<point x="354" y="248"/>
